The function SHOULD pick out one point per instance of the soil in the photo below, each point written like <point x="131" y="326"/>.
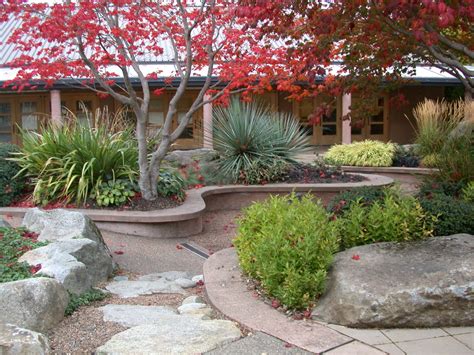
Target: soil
<point x="303" y="173"/>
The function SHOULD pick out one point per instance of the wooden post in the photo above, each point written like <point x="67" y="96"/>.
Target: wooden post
<point x="56" y="116"/>
<point x="346" y="123"/>
<point x="207" y="124"/>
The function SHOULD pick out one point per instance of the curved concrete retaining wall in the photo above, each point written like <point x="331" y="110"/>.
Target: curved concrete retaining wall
<point x="186" y="220"/>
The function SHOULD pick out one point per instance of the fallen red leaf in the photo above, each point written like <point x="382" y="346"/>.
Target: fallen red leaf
<point x="355" y="257"/>
<point x="118" y="252"/>
<point x="179" y="247"/>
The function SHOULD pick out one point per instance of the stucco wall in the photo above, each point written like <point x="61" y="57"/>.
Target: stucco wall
<point x="400" y="128"/>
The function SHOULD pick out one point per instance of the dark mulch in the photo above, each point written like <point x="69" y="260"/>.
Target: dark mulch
<point x="302" y="173"/>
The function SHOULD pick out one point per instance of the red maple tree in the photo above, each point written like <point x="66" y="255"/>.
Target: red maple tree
<point x="99" y="41"/>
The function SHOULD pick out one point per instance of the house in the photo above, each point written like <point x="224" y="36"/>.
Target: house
<point x="30" y="107"/>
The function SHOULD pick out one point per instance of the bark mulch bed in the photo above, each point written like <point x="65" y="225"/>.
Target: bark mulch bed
<point x="306" y="174"/>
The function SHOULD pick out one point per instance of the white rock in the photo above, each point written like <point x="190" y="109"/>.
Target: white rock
<point x="195" y="309"/>
<point x="193" y="299"/>
<point x="181" y="335"/>
<point x="132" y="315"/>
<point x="198" y="278"/>
<point x="185" y="283"/>
<point x="37" y="303"/>
<point x="168" y="275"/>
<point x="19" y="341"/>
<point x="77" y="255"/>
<point x="126" y="289"/>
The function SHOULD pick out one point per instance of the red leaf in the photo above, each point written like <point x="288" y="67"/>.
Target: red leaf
<point x="179" y="247"/>
<point x="355" y="257"/>
<point x="118" y="252"/>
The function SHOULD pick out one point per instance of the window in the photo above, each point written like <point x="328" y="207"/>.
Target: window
<point x="5" y="122"/>
<point x="29" y="115"/>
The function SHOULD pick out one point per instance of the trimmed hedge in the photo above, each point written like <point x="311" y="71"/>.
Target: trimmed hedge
<point x="365" y="153"/>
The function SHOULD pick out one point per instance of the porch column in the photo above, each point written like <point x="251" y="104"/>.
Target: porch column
<point x="56" y="117"/>
<point x="207" y="124"/>
<point x="346" y="124"/>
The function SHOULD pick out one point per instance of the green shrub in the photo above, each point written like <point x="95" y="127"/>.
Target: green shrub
<point x="430" y="160"/>
<point x="434" y="186"/>
<point x="76" y="301"/>
<point x="114" y="193"/>
<point x="72" y="161"/>
<point x="453" y="215"/>
<point x="365" y="153"/>
<point x="11" y="185"/>
<point x="366" y="196"/>
<point x="14" y="242"/>
<point x="170" y="184"/>
<point x="395" y="219"/>
<point x="247" y="132"/>
<point x="468" y="192"/>
<point x="405" y="156"/>
<point x="286" y="244"/>
<point x="456" y="158"/>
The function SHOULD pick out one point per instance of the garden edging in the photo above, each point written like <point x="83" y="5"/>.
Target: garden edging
<point x="186" y="219"/>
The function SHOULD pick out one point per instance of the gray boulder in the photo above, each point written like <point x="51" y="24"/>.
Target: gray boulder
<point x="173" y="335"/>
<point x="79" y="264"/>
<point x="419" y="284"/>
<point x="186" y="157"/>
<point x="37" y="304"/>
<point x="4" y="224"/>
<point x="19" y="341"/>
<point x="77" y="255"/>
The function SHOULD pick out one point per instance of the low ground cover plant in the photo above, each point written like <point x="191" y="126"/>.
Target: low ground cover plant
<point x="11" y="183"/>
<point x="286" y="244"/>
<point x="77" y="301"/>
<point x="13" y="244"/>
<point x="249" y="135"/>
<point x="365" y="196"/>
<point x="365" y="153"/>
<point x="171" y="183"/>
<point x="406" y="156"/>
<point x="114" y="193"/>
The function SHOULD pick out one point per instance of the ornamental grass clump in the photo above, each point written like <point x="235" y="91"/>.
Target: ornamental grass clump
<point x="72" y="161"/>
<point x="365" y="153"/>
<point x="249" y="134"/>
<point x="287" y="245"/>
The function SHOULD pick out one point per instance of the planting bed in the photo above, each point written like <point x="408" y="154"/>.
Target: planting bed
<point x="186" y="219"/>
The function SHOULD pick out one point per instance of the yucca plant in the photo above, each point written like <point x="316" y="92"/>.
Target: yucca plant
<point x="69" y="162"/>
<point x="245" y="133"/>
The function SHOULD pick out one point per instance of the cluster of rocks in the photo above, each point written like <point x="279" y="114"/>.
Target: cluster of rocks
<point x="75" y="259"/>
<point x="187" y="157"/>
<point x="159" y="329"/>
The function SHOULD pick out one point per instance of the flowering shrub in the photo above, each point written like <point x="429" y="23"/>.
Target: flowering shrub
<point x="13" y="244"/>
<point x="286" y="244"/>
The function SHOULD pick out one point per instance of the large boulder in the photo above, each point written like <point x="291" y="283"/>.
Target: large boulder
<point x="37" y="304"/>
<point x="186" y="157"/>
<point x="19" y="341"/>
<point x="76" y="256"/>
<point x="419" y="284"/>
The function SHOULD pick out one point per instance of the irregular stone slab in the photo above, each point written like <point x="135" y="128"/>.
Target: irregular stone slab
<point x="77" y="255"/>
<point x="185" y="283"/>
<point x="37" y="303"/>
<point x="19" y="341"/>
<point x="78" y="264"/>
<point x="420" y="284"/>
<point x="193" y="299"/>
<point x="182" y="335"/>
<point x="195" y="309"/>
<point x="121" y="278"/>
<point x="132" y="315"/>
<point x="127" y="289"/>
<point x="167" y="275"/>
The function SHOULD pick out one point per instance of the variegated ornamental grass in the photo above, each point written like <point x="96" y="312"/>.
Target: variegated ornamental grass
<point x="365" y="153"/>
